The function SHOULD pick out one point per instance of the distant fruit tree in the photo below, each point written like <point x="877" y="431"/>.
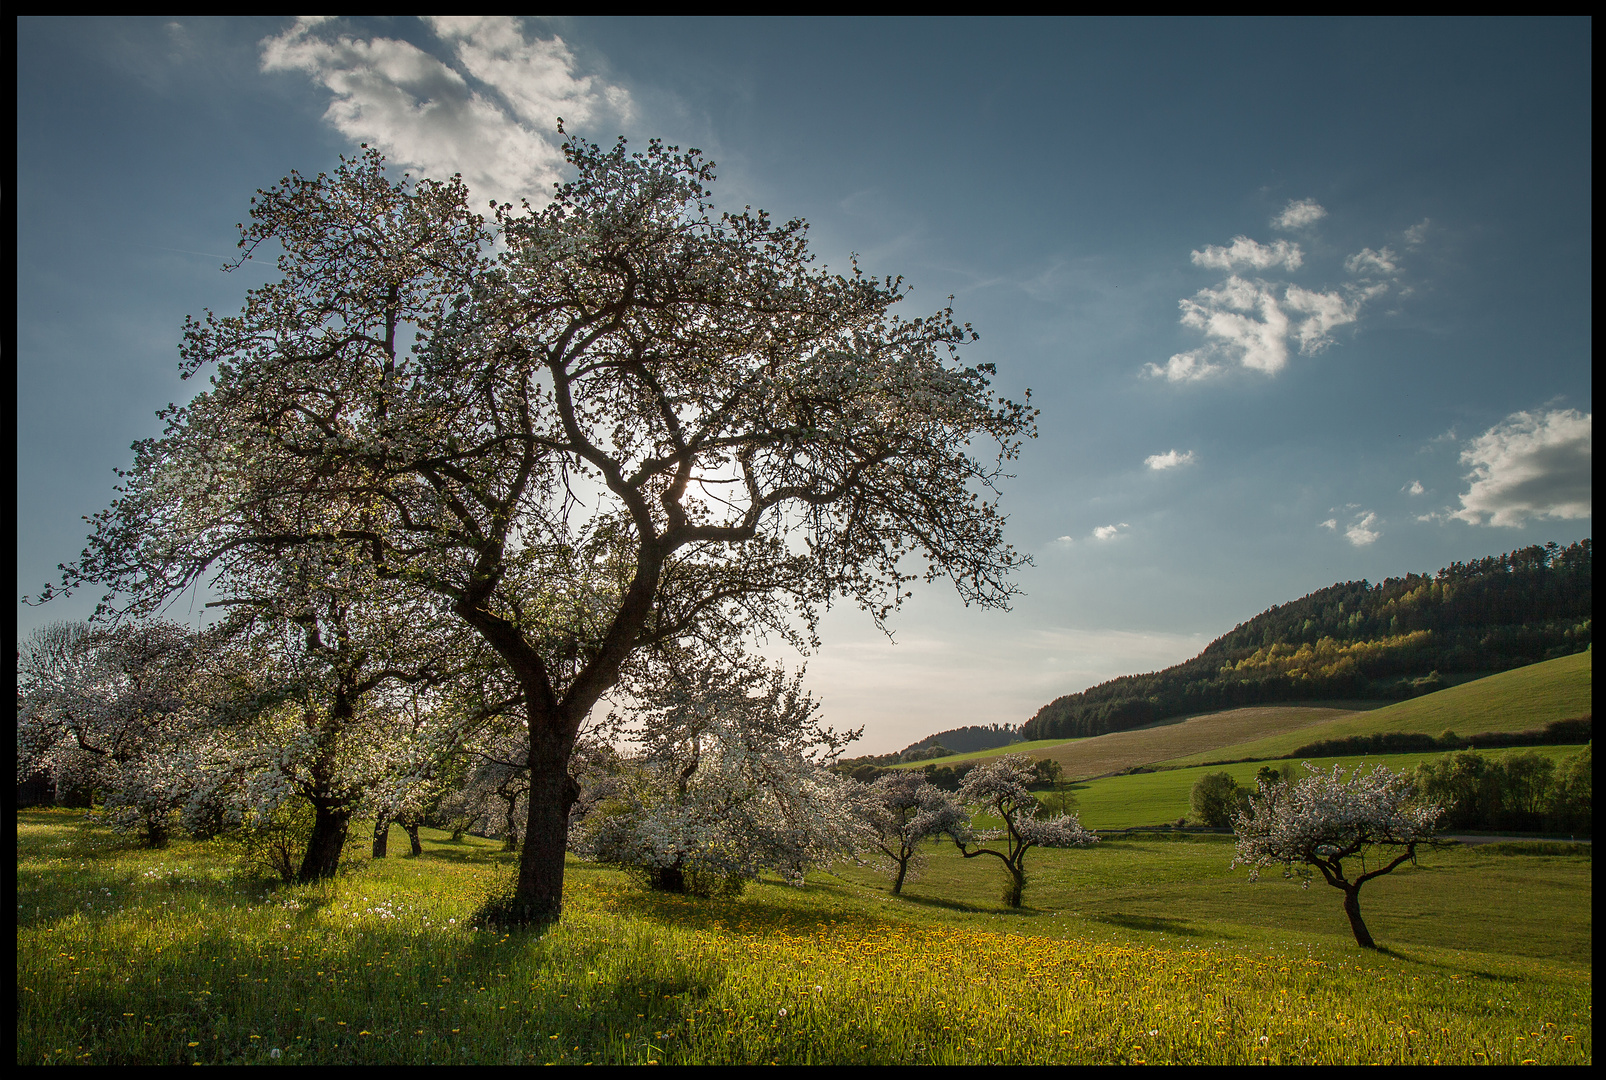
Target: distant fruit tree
<point x="1322" y="820"/>
<point x="998" y="789"/>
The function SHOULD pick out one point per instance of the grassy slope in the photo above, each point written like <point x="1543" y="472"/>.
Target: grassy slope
<point x="1517" y="700"/>
<point x="1123" y="749"/>
<point x="1130" y="951"/>
<point x="1120" y="802"/>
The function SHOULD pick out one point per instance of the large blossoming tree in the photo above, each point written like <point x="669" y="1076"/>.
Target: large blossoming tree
<point x="1324" y="820"/>
<point x="619" y="420"/>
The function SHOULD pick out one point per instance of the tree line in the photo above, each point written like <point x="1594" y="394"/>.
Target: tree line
<point x="1523" y="792"/>
<point x="1359" y="640"/>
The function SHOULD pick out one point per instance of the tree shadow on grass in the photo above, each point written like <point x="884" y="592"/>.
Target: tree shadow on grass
<point x="1460" y="969"/>
<point x="1159" y="923"/>
<point x="742" y="915"/>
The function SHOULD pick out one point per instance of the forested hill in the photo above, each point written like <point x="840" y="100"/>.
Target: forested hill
<point x="968" y="740"/>
<point x="1356" y="639"/>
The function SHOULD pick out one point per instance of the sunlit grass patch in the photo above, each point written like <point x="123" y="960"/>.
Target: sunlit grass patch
<point x="140" y="957"/>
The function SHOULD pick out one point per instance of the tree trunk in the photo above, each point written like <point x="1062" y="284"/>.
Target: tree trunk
<point x="328" y="837"/>
<point x="412" y="835"/>
<point x="539" y="894"/>
<point x="1017" y="886"/>
<point x="1352" y="908"/>
<point x="381" y="836"/>
<point x="897" y="882"/>
<point x="671" y="879"/>
<point x="156" y="834"/>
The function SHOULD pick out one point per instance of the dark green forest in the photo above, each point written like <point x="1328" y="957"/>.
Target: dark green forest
<point x="1392" y="640"/>
<point x="968" y="740"/>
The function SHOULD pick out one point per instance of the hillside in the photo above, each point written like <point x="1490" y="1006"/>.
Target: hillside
<point x="1105" y="754"/>
<point x="1519" y="700"/>
<point x="1399" y="639"/>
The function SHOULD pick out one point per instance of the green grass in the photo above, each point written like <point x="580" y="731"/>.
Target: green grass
<point x="1121" y="802"/>
<point x="1518" y="700"/>
<point x="1130" y="951"/>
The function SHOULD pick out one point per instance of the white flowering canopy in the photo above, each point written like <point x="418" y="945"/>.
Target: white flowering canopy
<point x="1324" y="818"/>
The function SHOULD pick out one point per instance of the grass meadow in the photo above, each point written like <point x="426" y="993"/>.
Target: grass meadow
<point x="1137" y="950"/>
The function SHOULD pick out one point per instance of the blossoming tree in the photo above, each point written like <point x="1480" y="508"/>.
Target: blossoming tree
<point x="1323" y="819"/>
<point x="906" y="809"/>
<point x="733" y="779"/>
<point x="998" y="788"/>
<point x="112" y="710"/>
<point x="618" y="420"/>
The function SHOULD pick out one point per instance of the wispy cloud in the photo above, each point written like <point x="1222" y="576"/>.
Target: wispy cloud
<point x="1298" y="214"/>
<point x="1108" y="532"/>
<point x="1367" y="261"/>
<point x="1417" y="233"/>
<point x="1330" y="523"/>
<point x="1360" y="533"/>
<point x="490" y="115"/>
<point x="1414" y="488"/>
<point x="1184" y="367"/>
<point x="1244" y="253"/>
<point x="1531" y="464"/>
<point x="1168" y="460"/>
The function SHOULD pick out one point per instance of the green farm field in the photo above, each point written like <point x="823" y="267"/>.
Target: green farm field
<point x="1130" y="951"/>
<point x="1157" y="798"/>
<point x="1518" y="700"/>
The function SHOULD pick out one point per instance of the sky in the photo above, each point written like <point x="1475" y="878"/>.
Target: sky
<point x="1300" y="301"/>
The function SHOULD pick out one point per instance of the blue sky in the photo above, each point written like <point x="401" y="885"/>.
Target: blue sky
<point x="1301" y="302"/>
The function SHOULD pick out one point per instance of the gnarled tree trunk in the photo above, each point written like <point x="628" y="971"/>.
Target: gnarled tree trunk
<point x="328" y="838"/>
<point x="381" y="836"/>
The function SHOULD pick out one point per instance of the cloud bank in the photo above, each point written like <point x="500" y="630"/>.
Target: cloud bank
<point x="1531" y="464"/>
<point x="490" y="114"/>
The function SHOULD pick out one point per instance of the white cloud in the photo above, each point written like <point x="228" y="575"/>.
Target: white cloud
<point x="1251" y="325"/>
<point x="1227" y="314"/>
<point x="1530" y="465"/>
<point x="1414" y="487"/>
<point x="1107" y="532"/>
<point x="1324" y="312"/>
<point x="1330" y="523"/>
<point x="1367" y="261"/>
<point x="1361" y="533"/>
<point x="1245" y="252"/>
<point x="1417" y="233"/>
<point x="1183" y="367"/>
<point x="1298" y="214"/>
<point x="424" y="114"/>
<point x="1168" y="460"/>
<point x="1063" y="541"/>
